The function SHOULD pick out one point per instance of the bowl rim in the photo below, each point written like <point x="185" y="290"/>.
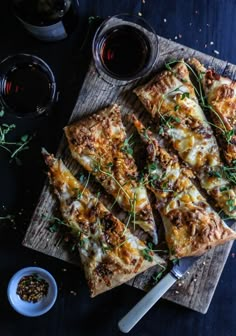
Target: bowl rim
<point x="25" y="271"/>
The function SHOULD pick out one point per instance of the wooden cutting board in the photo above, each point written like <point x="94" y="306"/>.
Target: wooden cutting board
<point x="196" y="288"/>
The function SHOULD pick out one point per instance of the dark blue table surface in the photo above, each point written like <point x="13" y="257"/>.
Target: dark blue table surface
<point x="208" y="26"/>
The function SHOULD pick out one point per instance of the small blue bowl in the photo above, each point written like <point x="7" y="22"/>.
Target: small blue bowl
<point x="28" y="308"/>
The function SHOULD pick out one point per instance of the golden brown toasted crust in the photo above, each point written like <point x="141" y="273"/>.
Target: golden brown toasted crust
<point x="191" y="225"/>
<point x="221" y="96"/>
<point x="195" y="230"/>
<point x="110" y="253"/>
<point x="99" y="143"/>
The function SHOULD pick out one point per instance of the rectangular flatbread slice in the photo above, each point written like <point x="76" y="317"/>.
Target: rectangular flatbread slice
<point x="221" y="97"/>
<point x="110" y="253"/>
<point x="191" y="225"/>
<point x="171" y="100"/>
<point x="99" y="143"/>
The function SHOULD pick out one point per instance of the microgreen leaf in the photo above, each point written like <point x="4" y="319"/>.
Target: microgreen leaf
<point x="215" y="174"/>
<point x="168" y="67"/>
<point x="24" y="138"/>
<point x="53" y="228"/>
<point x="146" y="254"/>
<point x="161" y="131"/>
<point x="152" y="166"/>
<point x="126" y="147"/>
<point x="224" y="189"/>
<point x="13" y="147"/>
<point x="158" y="276"/>
<point x="184" y="95"/>
<point x="231" y="204"/>
<point x="228" y="135"/>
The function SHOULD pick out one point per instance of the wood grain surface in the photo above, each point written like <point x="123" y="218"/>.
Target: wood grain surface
<point x="196" y="288"/>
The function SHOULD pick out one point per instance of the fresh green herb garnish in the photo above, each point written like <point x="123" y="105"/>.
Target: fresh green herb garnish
<point x="7" y="217"/>
<point x="80" y="193"/>
<point x="152" y="166"/>
<point x="13" y="148"/>
<point x="229" y="135"/>
<point x="215" y="174"/>
<point x="110" y="165"/>
<point x="55" y="223"/>
<point x="184" y="95"/>
<point x="149" y="251"/>
<point x="229" y="173"/>
<point x="127" y="146"/>
<point x="161" y="131"/>
<point x="231" y="204"/>
<point x="226" y="134"/>
<point x="147" y="254"/>
<point x="97" y="168"/>
<point x="167" y="121"/>
<point x="156" y="277"/>
<point x="224" y="189"/>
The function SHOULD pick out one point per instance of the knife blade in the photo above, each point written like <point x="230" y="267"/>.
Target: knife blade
<point x="146" y="303"/>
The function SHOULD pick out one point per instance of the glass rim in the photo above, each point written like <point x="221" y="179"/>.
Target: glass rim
<point x="17" y="59"/>
<point x="146" y="69"/>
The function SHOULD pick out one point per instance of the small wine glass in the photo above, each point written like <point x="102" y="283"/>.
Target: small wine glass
<point x="25" y="78"/>
<point x="125" y="48"/>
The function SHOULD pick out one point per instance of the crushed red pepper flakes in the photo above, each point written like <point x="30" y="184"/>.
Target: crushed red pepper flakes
<point x="32" y="288"/>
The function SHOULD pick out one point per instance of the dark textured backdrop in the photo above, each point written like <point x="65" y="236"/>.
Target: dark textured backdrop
<point x="209" y="26"/>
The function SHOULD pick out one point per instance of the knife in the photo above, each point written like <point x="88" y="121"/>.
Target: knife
<point x="146" y="303"/>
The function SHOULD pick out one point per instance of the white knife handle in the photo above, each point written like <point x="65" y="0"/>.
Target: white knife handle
<point x="146" y="303"/>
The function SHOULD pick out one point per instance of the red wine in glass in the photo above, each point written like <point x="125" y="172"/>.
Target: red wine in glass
<point x="26" y="89"/>
<point x="124" y="51"/>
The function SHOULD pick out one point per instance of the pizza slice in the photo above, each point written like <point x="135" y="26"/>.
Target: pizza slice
<point x="100" y="144"/>
<point x="221" y="97"/>
<point x="191" y="225"/>
<point x="172" y="102"/>
<point x="110" y="253"/>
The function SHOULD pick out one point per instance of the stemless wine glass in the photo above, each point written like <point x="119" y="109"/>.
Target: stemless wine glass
<point x="27" y="85"/>
<point x="125" y="48"/>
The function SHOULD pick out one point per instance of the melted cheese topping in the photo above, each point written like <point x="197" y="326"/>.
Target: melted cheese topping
<point x="103" y="239"/>
<point x="188" y="130"/>
<point x="191" y="225"/>
<point x="221" y="96"/>
<point x="100" y="144"/>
